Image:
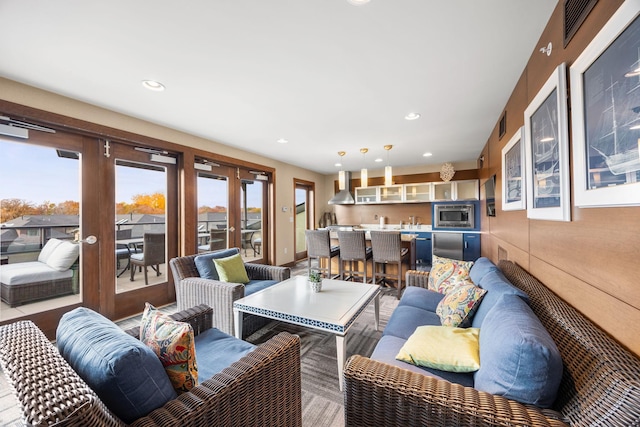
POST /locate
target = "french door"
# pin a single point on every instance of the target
(232, 210)
(303, 215)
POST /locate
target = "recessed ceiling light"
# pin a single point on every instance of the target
(153, 85)
(358, 2)
(282, 141)
(412, 116)
(338, 165)
(427, 155)
(378, 160)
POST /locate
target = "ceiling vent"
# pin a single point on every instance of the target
(575, 12)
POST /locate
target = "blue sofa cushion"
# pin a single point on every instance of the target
(405, 319)
(389, 346)
(480, 268)
(518, 358)
(126, 374)
(205, 265)
(418, 297)
(496, 285)
(257, 285)
(216, 350)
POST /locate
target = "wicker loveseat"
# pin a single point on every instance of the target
(261, 389)
(192, 289)
(600, 383)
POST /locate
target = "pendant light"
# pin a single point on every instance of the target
(364, 174)
(388, 173)
(341, 176)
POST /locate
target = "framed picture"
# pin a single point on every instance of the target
(513, 189)
(547, 151)
(605, 99)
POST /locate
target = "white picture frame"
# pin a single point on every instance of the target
(605, 99)
(514, 194)
(547, 151)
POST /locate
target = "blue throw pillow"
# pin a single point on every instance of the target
(126, 374)
(480, 268)
(496, 285)
(205, 265)
(518, 358)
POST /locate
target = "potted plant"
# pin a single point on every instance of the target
(315, 279)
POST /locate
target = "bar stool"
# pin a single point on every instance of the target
(319, 246)
(387, 249)
(353, 248)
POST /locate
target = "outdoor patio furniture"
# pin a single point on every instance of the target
(153, 254)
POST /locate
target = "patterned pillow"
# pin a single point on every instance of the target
(173, 342)
(445, 277)
(458, 307)
(435, 260)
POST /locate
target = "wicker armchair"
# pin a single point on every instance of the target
(261, 389)
(600, 382)
(192, 290)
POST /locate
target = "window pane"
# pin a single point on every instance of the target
(213, 207)
(39, 220)
(251, 218)
(140, 226)
(301, 219)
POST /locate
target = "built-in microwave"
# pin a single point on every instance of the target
(458, 216)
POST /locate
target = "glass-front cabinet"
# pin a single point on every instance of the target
(367, 195)
(467, 190)
(418, 192)
(443, 191)
(391, 194)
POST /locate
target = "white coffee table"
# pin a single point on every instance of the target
(334, 309)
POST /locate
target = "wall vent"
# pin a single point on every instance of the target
(503, 255)
(502, 127)
(575, 12)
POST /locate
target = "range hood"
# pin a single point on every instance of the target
(344, 197)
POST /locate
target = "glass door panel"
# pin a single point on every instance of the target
(140, 225)
(40, 219)
(251, 218)
(213, 210)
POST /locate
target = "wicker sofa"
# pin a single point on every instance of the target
(192, 289)
(262, 388)
(600, 382)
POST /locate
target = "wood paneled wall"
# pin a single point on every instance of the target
(591, 262)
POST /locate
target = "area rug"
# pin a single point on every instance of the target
(322, 400)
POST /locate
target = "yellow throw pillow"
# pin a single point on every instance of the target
(458, 306)
(444, 348)
(231, 269)
(174, 344)
(435, 260)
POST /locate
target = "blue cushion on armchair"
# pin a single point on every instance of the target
(205, 265)
(518, 358)
(126, 374)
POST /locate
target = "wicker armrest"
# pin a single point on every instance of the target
(417, 278)
(261, 389)
(377, 394)
(200, 318)
(220, 296)
(267, 272)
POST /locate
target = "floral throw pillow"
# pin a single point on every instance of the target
(458, 307)
(445, 277)
(173, 342)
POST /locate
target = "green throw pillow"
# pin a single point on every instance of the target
(231, 269)
(443, 347)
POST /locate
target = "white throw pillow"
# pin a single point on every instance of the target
(48, 249)
(63, 256)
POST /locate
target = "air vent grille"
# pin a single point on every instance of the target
(575, 12)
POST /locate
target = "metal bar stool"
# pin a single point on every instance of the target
(353, 248)
(387, 249)
(319, 246)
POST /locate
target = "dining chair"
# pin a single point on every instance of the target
(123, 249)
(217, 241)
(387, 249)
(353, 249)
(319, 247)
(152, 255)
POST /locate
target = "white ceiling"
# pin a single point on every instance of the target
(324, 74)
